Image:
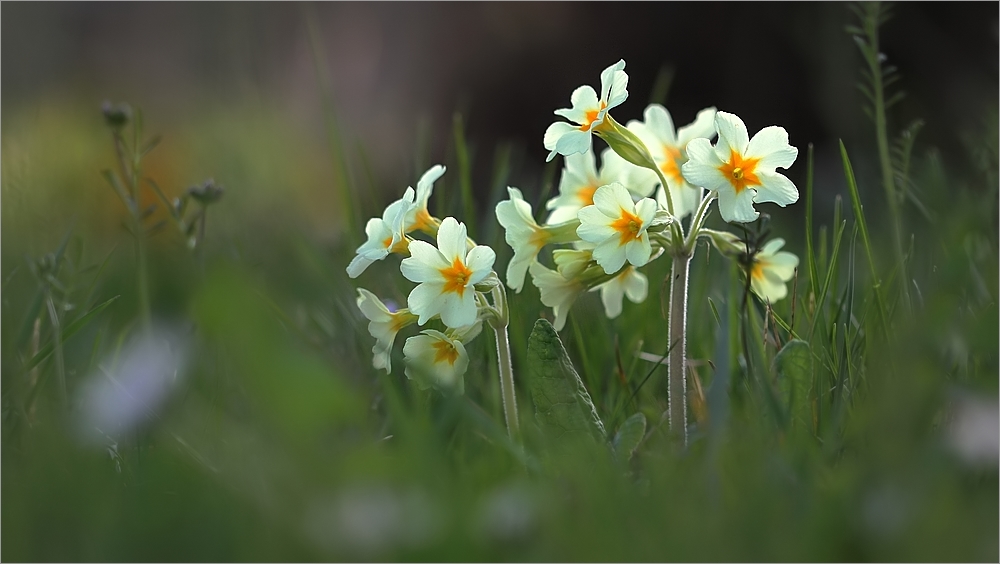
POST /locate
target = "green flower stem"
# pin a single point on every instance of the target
(697, 221)
(504, 364)
(677, 358)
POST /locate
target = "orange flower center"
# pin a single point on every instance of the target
(445, 351)
(423, 221)
(627, 226)
(591, 117)
(586, 195)
(539, 237)
(757, 270)
(740, 172)
(456, 277)
(670, 168)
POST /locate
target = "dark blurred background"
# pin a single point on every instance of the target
(400, 70)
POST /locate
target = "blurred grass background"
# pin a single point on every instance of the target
(278, 440)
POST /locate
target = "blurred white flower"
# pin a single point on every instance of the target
(556, 291)
(446, 275)
(669, 150)
(525, 236)
(974, 431)
(587, 113)
(629, 282)
(770, 271)
(116, 402)
(371, 521)
(580, 180)
(742, 170)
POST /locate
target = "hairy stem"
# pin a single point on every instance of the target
(677, 321)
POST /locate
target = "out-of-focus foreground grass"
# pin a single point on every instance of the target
(265, 434)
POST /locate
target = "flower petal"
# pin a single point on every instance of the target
(770, 145)
(735, 207)
(583, 99)
(782, 264)
(595, 226)
(553, 134)
(573, 141)
(358, 265)
(452, 239)
(610, 255)
(702, 168)
(459, 311)
(775, 187)
(426, 301)
(424, 263)
(480, 261)
(702, 126)
(733, 135)
(636, 286)
(639, 250)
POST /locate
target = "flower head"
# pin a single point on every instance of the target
(522, 233)
(446, 275)
(385, 235)
(580, 180)
(742, 170)
(669, 150)
(629, 282)
(417, 216)
(435, 359)
(587, 113)
(557, 291)
(618, 227)
(383, 325)
(771, 270)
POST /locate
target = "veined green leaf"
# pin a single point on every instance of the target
(562, 405)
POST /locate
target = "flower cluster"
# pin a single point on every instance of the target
(452, 279)
(619, 218)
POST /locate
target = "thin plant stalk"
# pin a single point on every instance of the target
(130, 174)
(677, 322)
(504, 363)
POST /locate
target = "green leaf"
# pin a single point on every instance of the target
(562, 405)
(629, 436)
(793, 365)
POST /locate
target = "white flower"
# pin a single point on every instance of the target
(742, 170)
(433, 358)
(385, 235)
(557, 292)
(618, 227)
(523, 235)
(526, 237)
(669, 150)
(383, 325)
(630, 282)
(771, 269)
(446, 275)
(417, 217)
(580, 180)
(587, 112)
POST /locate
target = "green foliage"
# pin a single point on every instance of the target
(826, 426)
(793, 365)
(563, 407)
